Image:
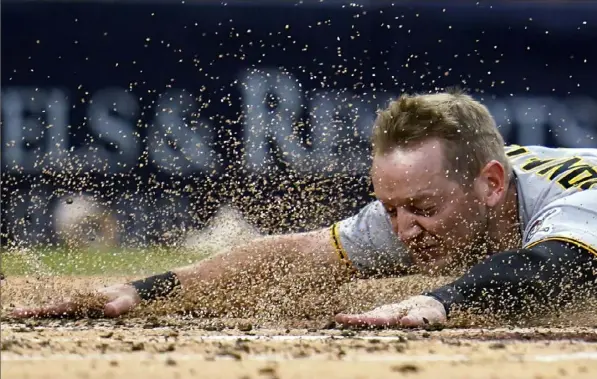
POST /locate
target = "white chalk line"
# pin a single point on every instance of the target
(456, 332)
(201, 357)
(233, 338)
(266, 338)
(12, 357)
(141, 356)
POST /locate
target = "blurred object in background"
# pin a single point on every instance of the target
(226, 229)
(264, 105)
(81, 222)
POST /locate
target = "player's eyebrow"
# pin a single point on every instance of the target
(424, 195)
(417, 197)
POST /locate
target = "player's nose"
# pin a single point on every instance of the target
(405, 226)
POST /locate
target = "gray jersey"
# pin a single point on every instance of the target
(557, 200)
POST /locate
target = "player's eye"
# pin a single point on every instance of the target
(425, 212)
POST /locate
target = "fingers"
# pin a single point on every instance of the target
(422, 317)
(107, 302)
(25, 312)
(115, 308)
(59, 310)
(364, 320)
(119, 306)
(416, 317)
(384, 316)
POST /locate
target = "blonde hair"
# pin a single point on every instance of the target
(468, 132)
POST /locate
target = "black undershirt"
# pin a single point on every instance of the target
(550, 274)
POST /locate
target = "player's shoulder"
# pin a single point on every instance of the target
(546, 175)
(558, 168)
(372, 213)
(519, 152)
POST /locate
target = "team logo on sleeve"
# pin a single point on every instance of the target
(538, 226)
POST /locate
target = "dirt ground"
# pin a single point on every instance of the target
(155, 344)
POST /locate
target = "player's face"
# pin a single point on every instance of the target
(440, 221)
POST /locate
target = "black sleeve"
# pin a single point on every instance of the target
(551, 273)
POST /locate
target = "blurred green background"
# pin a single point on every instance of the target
(96, 261)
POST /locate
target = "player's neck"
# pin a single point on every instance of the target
(504, 225)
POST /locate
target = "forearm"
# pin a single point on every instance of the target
(255, 266)
(264, 257)
(549, 274)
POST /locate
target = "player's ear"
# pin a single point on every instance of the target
(490, 185)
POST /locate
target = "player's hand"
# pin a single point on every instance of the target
(114, 301)
(413, 312)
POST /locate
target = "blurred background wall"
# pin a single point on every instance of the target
(157, 113)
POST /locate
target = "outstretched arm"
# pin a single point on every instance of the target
(549, 273)
(260, 260)
(264, 255)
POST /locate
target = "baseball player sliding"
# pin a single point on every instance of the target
(516, 223)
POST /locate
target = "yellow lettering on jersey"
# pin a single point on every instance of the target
(534, 163)
(516, 151)
(558, 167)
(578, 176)
(588, 184)
(572, 172)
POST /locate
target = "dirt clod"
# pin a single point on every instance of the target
(406, 368)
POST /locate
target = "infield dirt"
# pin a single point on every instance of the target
(155, 342)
